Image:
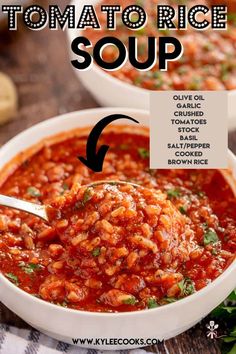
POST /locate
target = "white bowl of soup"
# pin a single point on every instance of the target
(208, 63)
(136, 273)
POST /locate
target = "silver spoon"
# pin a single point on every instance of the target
(42, 210)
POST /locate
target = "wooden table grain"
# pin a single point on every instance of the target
(38, 63)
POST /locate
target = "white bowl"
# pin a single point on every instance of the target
(64, 324)
(112, 92)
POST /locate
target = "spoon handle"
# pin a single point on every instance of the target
(35, 209)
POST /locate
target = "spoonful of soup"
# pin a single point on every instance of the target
(48, 213)
(107, 241)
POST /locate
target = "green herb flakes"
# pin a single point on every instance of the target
(30, 267)
(173, 193)
(186, 287)
(170, 300)
(112, 183)
(201, 194)
(138, 80)
(224, 71)
(87, 196)
(130, 301)
(214, 252)
(65, 187)
(157, 76)
(33, 192)
(144, 153)
(96, 252)
(183, 209)
(210, 238)
(13, 278)
(151, 303)
(195, 84)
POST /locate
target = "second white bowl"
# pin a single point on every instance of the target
(111, 92)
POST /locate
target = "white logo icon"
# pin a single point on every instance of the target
(212, 333)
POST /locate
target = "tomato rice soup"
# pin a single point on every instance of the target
(208, 62)
(115, 247)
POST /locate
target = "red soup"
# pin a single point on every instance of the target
(115, 247)
(208, 61)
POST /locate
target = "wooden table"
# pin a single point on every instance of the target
(38, 63)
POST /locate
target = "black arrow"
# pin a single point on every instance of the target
(94, 159)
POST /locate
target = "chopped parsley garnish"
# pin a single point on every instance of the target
(157, 76)
(151, 303)
(158, 84)
(87, 195)
(195, 84)
(34, 192)
(173, 193)
(183, 209)
(186, 287)
(169, 300)
(30, 267)
(201, 194)
(65, 186)
(112, 183)
(210, 238)
(138, 80)
(130, 301)
(13, 278)
(205, 226)
(214, 252)
(144, 153)
(224, 71)
(96, 252)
